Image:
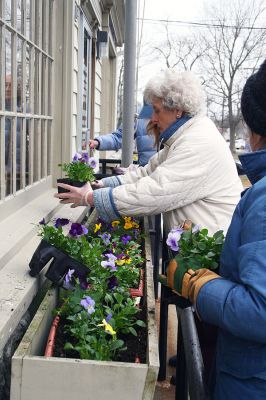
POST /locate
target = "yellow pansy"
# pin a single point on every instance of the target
(128, 225)
(97, 227)
(128, 260)
(107, 327)
(115, 223)
(127, 219)
(135, 225)
(120, 262)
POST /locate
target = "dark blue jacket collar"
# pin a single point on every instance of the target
(254, 165)
(167, 133)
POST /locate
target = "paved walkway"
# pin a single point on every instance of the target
(164, 390)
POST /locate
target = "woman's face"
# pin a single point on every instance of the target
(163, 117)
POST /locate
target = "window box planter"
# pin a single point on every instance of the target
(35, 376)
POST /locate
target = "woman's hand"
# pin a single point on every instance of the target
(93, 144)
(77, 196)
(97, 185)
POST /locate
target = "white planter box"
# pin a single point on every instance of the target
(37, 377)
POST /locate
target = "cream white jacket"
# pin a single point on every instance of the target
(193, 177)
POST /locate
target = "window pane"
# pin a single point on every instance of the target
(49, 146)
(36, 83)
(19, 15)
(49, 98)
(44, 149)
(44, 85)
(19, 75)
(28, 122)
(18, 154)
(28, 21)
(8, 81)
(7, 16)
(27, 78)
(8, 155)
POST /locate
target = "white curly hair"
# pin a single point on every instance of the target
(182, 91)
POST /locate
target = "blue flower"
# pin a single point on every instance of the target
(125, 239)
(61, 222)
(92, 162)
(88, 303)
(106, 238)
(76, 157)
(77, 230)
(109, 316)
(112, 282)
(110, 263)
(85, 157)
(173, 238)
(42, 222)
(68, 279)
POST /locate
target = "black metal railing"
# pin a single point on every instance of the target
(190, 370)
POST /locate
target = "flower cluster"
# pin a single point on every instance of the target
(81, 168)
(97, 312)
(195, 247)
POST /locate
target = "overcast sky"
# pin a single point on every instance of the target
(153, 32)
(187, 10)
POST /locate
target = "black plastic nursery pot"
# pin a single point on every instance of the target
(59, 266)
(68, 181)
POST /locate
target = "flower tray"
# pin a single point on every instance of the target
(68, 181)
(61, 263)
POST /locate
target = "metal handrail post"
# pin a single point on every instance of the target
(193, 356)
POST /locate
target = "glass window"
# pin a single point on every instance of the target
(28, 20)
(19, 75)
(8, 77)
(19, 16)
(19, 153)
(27, 71)
(7, 16)
(8, 155)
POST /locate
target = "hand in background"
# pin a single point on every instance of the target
(93, 144)
(97, 185)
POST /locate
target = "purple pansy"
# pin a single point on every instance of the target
(77, 230)
(42, 222)
(68, 279)
(109, 316)
(121, 255)
(196, 228)
(76, 157)
(125, 239)
(88, 303)
(112, 282)
(106, 238)
(173, 238)
(111, 256)
(92, 162)
(85, 157)
(110, 263)
(61, 222)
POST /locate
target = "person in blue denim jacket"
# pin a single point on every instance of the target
(235, 300)
(145, 143)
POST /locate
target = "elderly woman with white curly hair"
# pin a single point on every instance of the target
(192, 177)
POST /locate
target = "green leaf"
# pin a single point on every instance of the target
(133, 331)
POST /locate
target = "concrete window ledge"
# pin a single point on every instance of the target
(18, 238)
